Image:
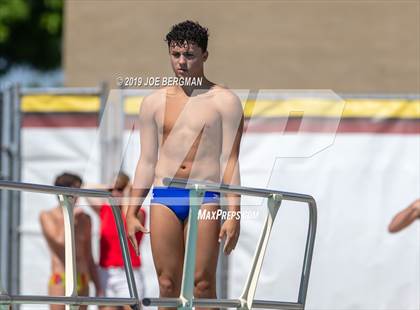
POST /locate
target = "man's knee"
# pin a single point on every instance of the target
(204, 286)
(167, 285)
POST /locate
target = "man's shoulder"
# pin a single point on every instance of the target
(152, 100)
(45, 215)
(226, 94)
(227, 99)
(50, 216)
(53, 212)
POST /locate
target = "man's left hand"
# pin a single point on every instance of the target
(230, 229)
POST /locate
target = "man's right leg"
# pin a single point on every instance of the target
(167, 241)
(56, 289)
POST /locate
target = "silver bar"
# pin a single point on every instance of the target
(212, 303)
(69, 247)
(6, 158)
(111, 132)
(162, 302)
(48, 189)
(217, 303)
(103, 96)
(86, 91)
(125, 252)
(225, 188)
(222, 273)
(266, 304)
(14, 277)
(250, 287)
(187, 284)
(309, 249)
(57, 300)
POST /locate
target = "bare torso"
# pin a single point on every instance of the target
(81, 230)
(189, 135)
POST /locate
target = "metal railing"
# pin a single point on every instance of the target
(71, 299)
(10, 166)
(186, 299)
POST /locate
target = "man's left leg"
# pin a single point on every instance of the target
(206, 257)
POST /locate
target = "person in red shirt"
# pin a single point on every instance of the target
(111, 271)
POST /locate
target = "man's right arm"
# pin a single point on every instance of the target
(145, 171)
(96, 202)
(55, 241)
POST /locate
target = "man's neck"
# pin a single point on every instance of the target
(204, 86)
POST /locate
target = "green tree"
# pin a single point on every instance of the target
(30, 33)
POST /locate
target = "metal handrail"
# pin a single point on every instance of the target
(60, 300)
(223, 303)
(186, 300)
(48, 189)
(234, 189)
(72, 300)
(246, 301)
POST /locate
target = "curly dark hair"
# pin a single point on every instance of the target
(190, 32)
(68, 180)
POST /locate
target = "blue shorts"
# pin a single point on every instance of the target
(178, 199)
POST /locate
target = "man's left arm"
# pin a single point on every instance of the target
(232, 126)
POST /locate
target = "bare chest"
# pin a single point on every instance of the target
(183, 116)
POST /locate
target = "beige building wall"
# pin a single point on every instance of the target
(346, 46)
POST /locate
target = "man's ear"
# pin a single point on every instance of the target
(205, 55)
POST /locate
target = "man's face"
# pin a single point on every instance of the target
(118, 189)
(187, 60)
(74, 199)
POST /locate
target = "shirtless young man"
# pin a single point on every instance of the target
(52, 223)
(187, 132)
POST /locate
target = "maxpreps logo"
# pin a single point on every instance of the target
(220, 214)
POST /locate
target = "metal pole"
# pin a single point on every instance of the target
(187, 285)
(225, 303)
(309, 249)
(53, 190)
(69, 250)
(5, 195)
(248, 293)
(126, 254)
(222, 273)
(240, 190)
(60, 300)
(103, 96)
(111, 130)
(15, 196)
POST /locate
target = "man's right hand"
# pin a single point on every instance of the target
(134, 226)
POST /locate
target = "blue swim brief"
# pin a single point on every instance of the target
(178, 199)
